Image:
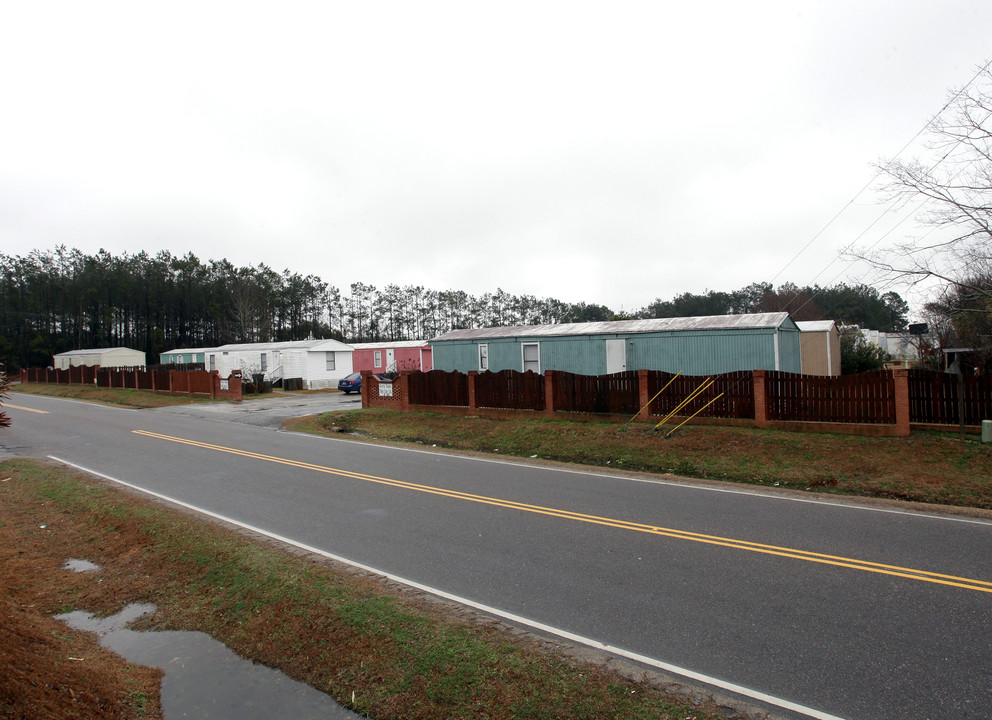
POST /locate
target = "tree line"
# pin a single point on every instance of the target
(63, 299)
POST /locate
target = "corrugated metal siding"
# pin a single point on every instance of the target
(789, 352)
(820, 351)
(702, 352)
(294, 363)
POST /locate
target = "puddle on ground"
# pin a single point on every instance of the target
(203, 678)
(80, 566)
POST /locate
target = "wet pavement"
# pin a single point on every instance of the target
(268, 410)
(205, 679)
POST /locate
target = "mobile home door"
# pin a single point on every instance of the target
(616, 356)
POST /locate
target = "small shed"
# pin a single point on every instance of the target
(118, 357)
(694, 345)
(388, 356)
(819, 344)
(316, 364)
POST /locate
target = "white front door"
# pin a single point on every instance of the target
(616, 356)
(390, 356)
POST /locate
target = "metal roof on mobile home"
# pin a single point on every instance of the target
(624, 327)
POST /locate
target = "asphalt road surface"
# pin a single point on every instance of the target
(820, 608)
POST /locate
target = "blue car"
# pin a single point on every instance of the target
(351, 382)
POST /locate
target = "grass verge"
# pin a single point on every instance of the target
(379, 650)
(927, 467)
(107, 396)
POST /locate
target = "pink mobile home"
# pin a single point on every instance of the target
(392, 356)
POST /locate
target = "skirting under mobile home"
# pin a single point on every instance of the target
(694, 345)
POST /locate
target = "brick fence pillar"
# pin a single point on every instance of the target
(759, 380)
(472, 374)
(366, 376)
(901, 378)
(402, 386)
(643, 396)
(549, 392)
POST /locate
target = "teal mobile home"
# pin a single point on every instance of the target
(695, 345)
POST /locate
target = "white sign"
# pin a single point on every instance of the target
(224, 385)
(385, 389)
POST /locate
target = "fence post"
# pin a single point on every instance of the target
(759, 380)
(549, 392)
(901, 378)
(643, 396)
(472, 374)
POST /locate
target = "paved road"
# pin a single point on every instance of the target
(267, 410)
(843, 609)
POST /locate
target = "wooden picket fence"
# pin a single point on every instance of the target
(767, 398)
(941, 398)
(172, 382)
(863, 398)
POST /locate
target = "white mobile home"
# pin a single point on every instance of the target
(104, 357)
(316, 363)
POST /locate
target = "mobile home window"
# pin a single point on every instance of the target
(532, 356)
(378, 358)
(329, 360)
(264, 361)
(483, 357)
(213, 362)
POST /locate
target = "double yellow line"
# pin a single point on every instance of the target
(825, 559)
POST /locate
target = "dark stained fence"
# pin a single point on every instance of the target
(933, 398)
(737, 400)
(200, 382)
(617, 393)
(161, 379)
(863, 398)
(510, 389)
(438, 387)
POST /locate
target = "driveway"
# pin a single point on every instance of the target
(267, 410)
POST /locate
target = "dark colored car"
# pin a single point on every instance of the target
(351, 382)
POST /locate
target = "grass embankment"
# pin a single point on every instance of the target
(926, 467)
(108, 396)
(377, 650)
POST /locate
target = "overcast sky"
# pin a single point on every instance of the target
(602, 152)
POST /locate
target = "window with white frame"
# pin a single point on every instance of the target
(265, 361)
(531, 353)
(483, 357)
(377, 359)
(329, 360)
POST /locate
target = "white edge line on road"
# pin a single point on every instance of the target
(672, 483)
(511, 617)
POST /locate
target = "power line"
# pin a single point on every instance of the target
(881, 170)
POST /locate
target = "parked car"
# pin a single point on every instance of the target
(351, 382)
